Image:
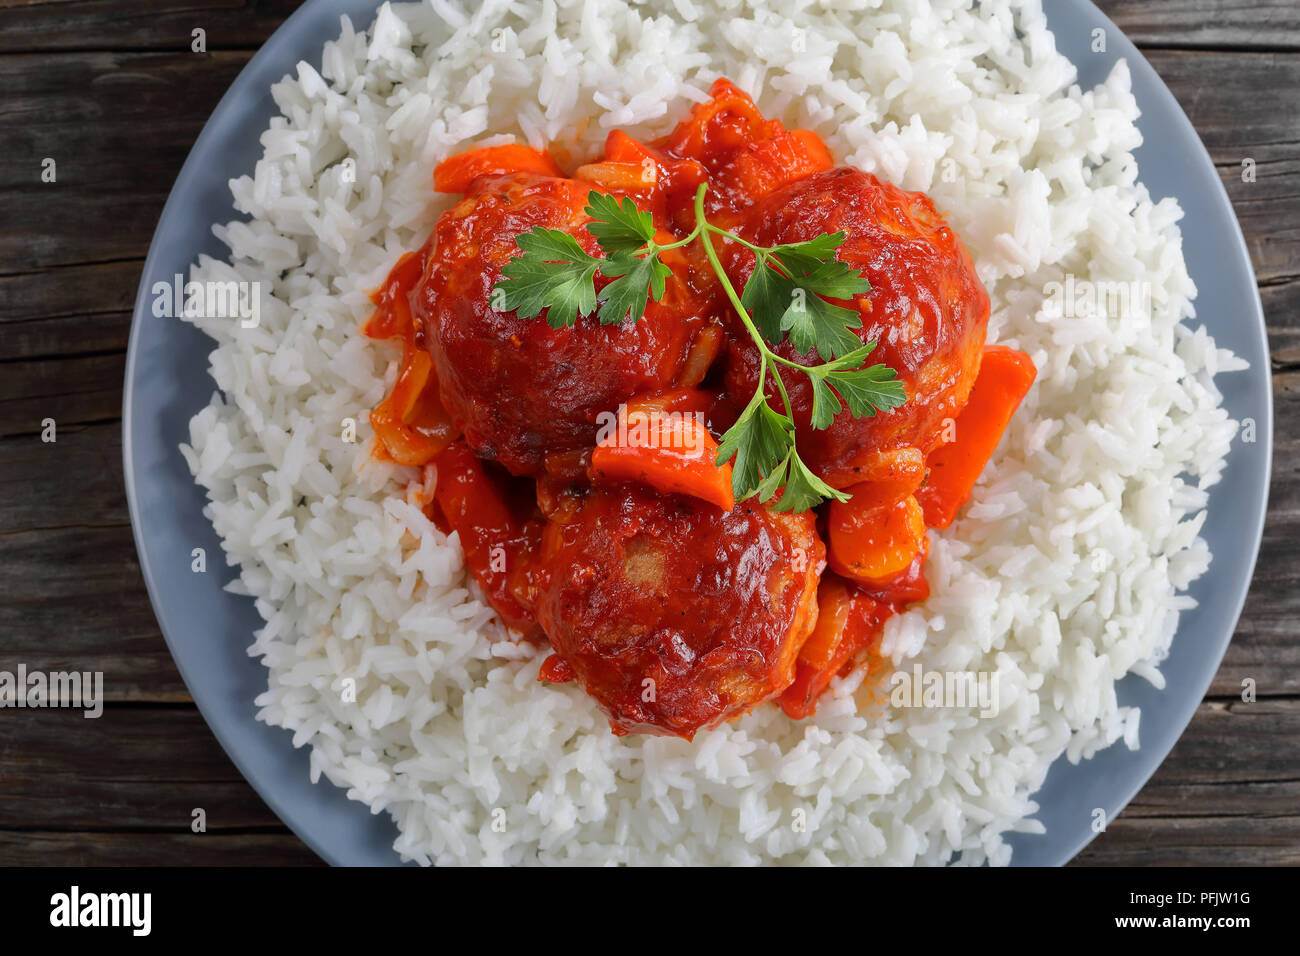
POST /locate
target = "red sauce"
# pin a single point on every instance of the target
(715, 609)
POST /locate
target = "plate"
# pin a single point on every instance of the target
(209, 629)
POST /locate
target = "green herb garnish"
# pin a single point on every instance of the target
(786, 297)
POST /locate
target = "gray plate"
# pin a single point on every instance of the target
(208, 629)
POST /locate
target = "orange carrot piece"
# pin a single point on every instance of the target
(848, 621)
(765, 166)
(725, 123)
(679, 400)
(392, 315)
(833, 602)
(904, 465)
(622, 148)
(619, 177)
(671, 452)
(870, 542)
(455, 173)
(1004, 379)
(411, 423)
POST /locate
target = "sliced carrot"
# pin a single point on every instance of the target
(764, 166)
(848, 622)
(873, 542)
(622, 148)
(411, 423)
(392, 315)
(1004, 379)
(902, 465)
(896, 478)
(679, 400)
(908, 587)
(455, 173)
(716, 129)
(620, 177)
(833, 603)
(670, 452)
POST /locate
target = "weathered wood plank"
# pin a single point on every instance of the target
(1244, 108)
(1196, 841)
(74, 481)
(1227, 793)
(1264, 647)
(146, 24)
(168, 24)
(130, 769)
(118, 127)
(74, 310)
(1281, 300)
(72, 391)
(1235, 24)
(89, 848)
(71, 598)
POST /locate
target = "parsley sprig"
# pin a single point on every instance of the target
(557, 275)
(786, 298)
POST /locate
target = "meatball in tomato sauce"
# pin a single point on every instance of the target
(673, 614)
(927, 312)
(517, 388)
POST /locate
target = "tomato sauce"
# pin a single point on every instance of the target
(719, 609)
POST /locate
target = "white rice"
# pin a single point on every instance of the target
(1062, 576)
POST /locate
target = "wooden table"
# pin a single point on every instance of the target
(112, 92)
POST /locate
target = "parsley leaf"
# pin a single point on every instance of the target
(619, 227)
(807, 256)
(789, 300)
(826, 404)
(804, 490)
(637, 278)
(869, 390)
(554, 273)
(760, 440)
(766, 295)
(814, 266)
(817, 325)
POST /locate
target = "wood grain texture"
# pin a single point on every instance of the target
(168, 25)
(113, 93)
(118, 127)
(128, 848)
(142, 25)
(1221, 24)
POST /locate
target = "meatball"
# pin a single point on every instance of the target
(926, 310)
(515, 387)
(673, 614)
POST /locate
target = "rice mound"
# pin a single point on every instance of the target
(1063, 575)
